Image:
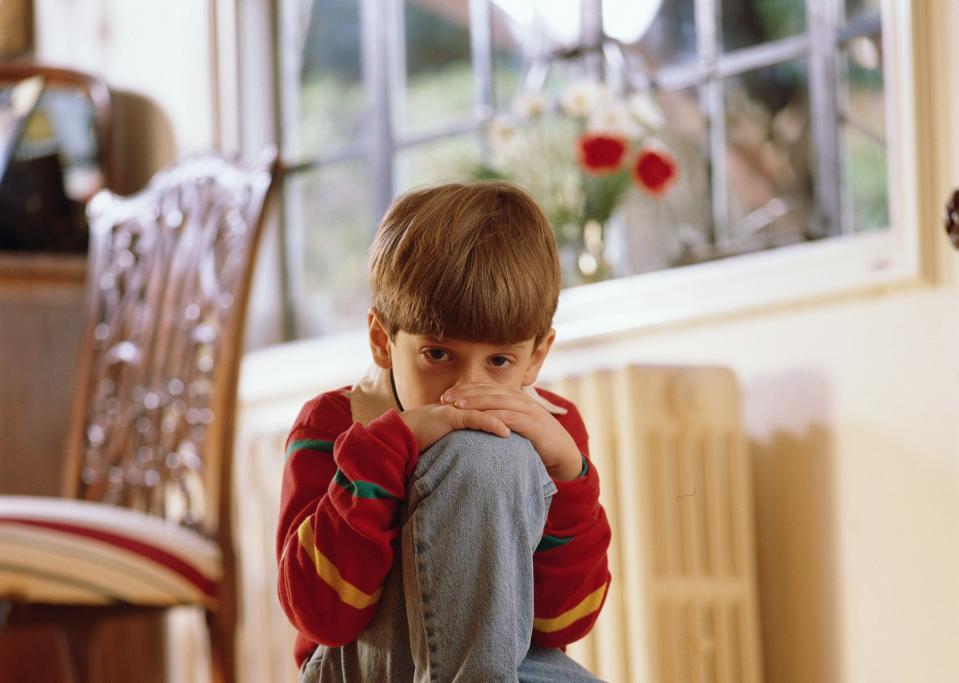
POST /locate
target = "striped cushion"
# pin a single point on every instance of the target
(54, 550)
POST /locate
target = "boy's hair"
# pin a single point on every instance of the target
(476, 262)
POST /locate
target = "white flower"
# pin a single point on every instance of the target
(614, 119)
(582, 97)
(501, 134)
(690, 237)
(656, 145)
(530, 105)
(646, 110)
(865, 52)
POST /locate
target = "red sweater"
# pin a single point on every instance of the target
(338, 531)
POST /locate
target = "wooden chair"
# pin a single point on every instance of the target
(145, 522)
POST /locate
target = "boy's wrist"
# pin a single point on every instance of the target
(570, 469)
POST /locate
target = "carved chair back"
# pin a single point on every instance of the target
(168, 278)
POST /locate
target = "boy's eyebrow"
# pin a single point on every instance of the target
(517, 345)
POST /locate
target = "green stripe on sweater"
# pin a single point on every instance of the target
(550, 542)
(361, 489)
(309, 445)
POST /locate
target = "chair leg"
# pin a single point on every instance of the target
(38, 654)
(221, 625)
(82, 640)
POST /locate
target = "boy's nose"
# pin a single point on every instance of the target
(471, 375)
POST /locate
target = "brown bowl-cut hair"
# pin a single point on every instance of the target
(476, 262)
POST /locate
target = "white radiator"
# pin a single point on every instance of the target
(675, 483)
(669, 447)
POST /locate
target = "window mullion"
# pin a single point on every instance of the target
(683, 76)
(440, 133)
(822, 20)
(481, 53)
(379, 30)
(591, 37)
(292, 239)
(762, 56)
(711, 94)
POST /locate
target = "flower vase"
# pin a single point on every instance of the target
(592, 264)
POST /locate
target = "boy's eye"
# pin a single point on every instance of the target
(500, 361)
(436, 354)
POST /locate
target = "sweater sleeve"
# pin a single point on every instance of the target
(571, 576)
(338, 517)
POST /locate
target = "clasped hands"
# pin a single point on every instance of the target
(498, 410)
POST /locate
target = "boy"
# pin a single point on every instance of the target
(440, 520)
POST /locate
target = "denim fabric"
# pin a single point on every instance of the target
(457, 604)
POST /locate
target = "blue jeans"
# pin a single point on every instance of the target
(458, 605)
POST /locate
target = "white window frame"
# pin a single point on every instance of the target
(833, 267)
(806, 272)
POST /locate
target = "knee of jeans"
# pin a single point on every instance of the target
(493, 458)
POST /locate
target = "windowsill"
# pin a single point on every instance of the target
(801, 273)
(794, 276)
(301, 369)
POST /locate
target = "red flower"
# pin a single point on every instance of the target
(601, 154)
(654, 171)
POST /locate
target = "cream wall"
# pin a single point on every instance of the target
(853, 412)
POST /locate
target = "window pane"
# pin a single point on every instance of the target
(323, 97)
(329, 209)
(750, 22)
(864, 175)
(448, 160)
(861, 89)
(674, 229)
(666, 38)
(858, 9)
(438, 77)
(864, 132)
(528, 34)
(768, 142)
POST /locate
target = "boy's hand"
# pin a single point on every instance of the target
(522, 414)
(432, 422)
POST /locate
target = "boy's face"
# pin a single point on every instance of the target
(424, 368)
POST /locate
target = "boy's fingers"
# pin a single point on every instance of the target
(516, 421)
(463, 391)
(476, 387)
(486, 391)
(475, 419)
(489, 401)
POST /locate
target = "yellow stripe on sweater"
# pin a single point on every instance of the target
(327, 571)
(589, 605)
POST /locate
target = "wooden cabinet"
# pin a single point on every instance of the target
(41, 315)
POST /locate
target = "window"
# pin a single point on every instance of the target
(776, 113)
